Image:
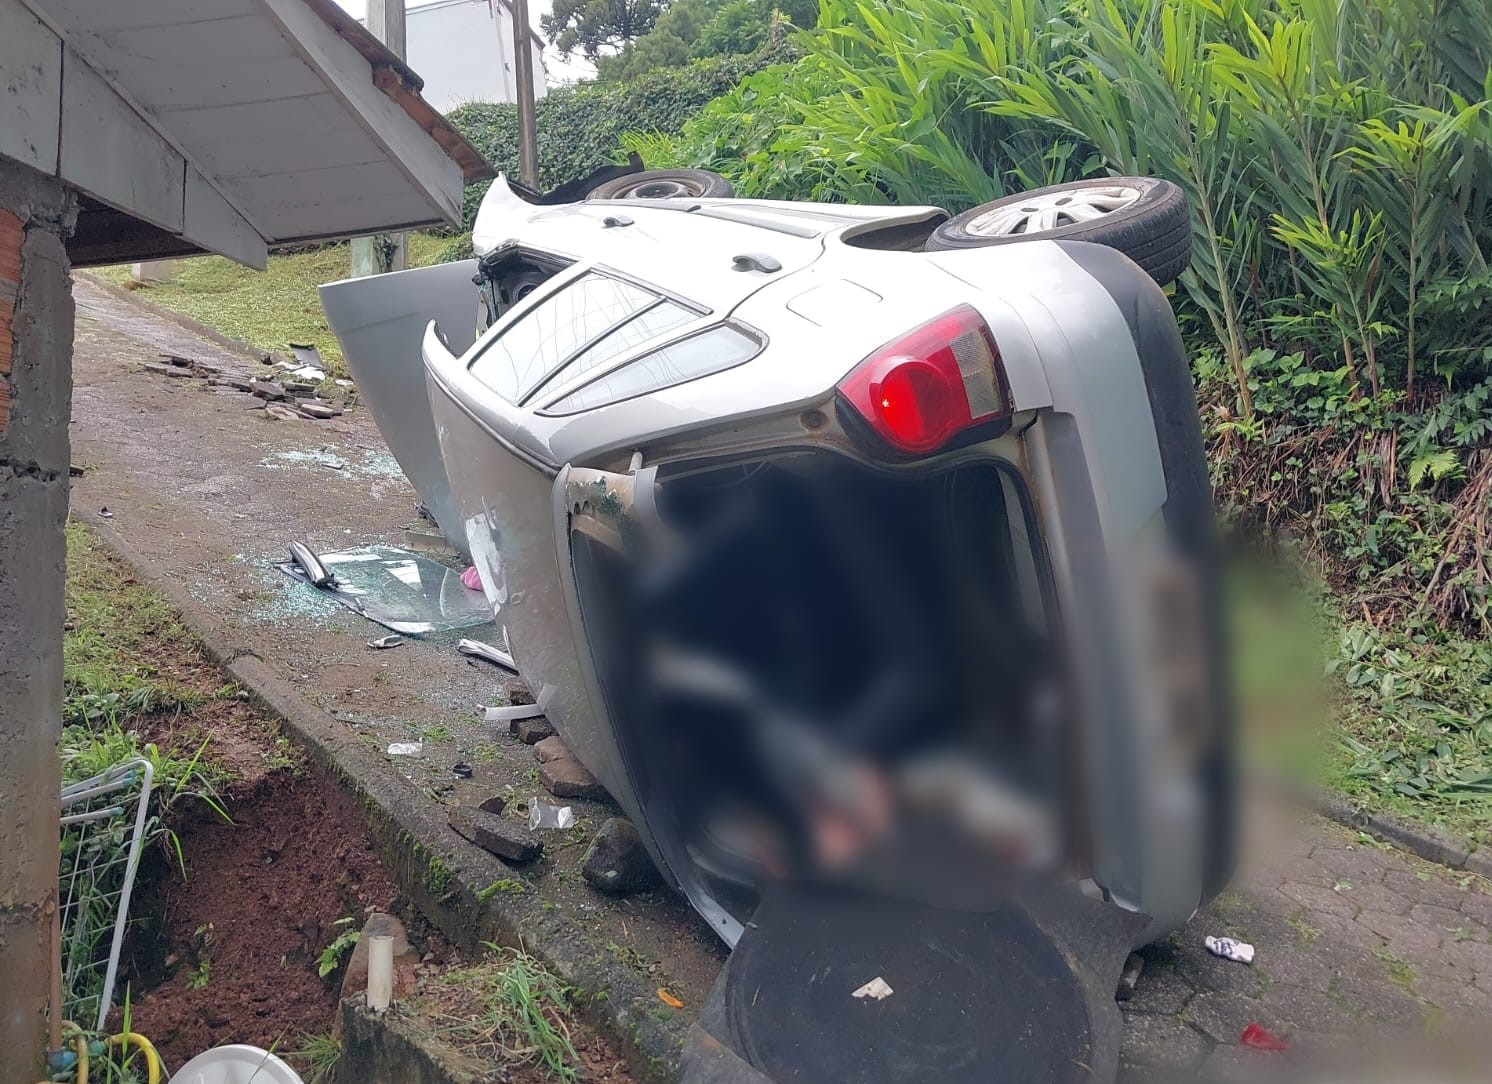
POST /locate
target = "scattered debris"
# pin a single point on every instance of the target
(178, 361)
(533, 730)
(1238, 951)
(568, 778)
(551, 748)
(471, 579)
(543, 815)
(104, 513)
(876, 989)
(1129, 978)
(316, 573)
(235, 382)
(617, 863)
(427, 539)
(383, 643)
(307, 357)
(299, 388)
(405, 748)
(1257, 1038)
(461, 770)
(317, 408)
(478, 650)
(267, 389)
(282, 413)
(75, 470)
(669, 999)
(508, 713)
(505, 838)
(494, 805)
(165, 370)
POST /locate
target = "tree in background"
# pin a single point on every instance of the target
(694, 29)
(595, 28)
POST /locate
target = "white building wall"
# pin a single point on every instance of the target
(463, 50)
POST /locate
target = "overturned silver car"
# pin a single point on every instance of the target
(850, 545)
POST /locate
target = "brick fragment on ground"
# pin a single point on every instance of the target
(266, 389)
(509, 840)
(568, 778)
(533, 730)
(316, 408)
(551, 748)
(165, 370)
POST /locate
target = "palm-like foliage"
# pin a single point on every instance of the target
(1336, 154)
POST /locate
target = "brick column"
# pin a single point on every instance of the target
(36, 338)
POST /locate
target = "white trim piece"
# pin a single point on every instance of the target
(349, 76)
(111, 153)
(217, 225)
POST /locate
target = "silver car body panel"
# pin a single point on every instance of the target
(380, 322)
(1084, 440)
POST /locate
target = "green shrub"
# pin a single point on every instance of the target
(580, 127)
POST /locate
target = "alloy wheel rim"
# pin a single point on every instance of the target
(1041, 212)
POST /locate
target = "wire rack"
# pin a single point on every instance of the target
(104, 824)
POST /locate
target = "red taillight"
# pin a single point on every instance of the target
(925, 388)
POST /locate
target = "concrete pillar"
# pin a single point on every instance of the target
(154, 270)
(385, 251)
(36, 340)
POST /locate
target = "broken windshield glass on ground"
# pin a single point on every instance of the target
(407, 593)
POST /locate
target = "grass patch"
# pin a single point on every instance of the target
(1414, 726)
(1399, 971)
(508, 1008)
(114, 626)
(271, 308)
(317, 1058)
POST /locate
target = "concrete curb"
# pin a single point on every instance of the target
(1431, 844)
(237, 346)
(441, 872)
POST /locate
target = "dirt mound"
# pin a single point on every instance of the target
(228, 953)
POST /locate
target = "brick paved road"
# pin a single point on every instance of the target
(1364, 952)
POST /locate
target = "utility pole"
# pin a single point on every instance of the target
(385, 251)
(523, 71)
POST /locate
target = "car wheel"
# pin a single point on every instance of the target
(664, 184)
(1145, 218)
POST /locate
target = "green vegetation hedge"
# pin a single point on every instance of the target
(580, 127)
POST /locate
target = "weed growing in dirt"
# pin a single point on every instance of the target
(317, 1058)
(508, 1007)
(331, 957)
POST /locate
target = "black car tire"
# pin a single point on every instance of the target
(665, 184)
(1153, 229)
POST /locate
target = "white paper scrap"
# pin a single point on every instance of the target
(1238, 951)
(876, 988)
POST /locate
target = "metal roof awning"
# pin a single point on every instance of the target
(224, 125)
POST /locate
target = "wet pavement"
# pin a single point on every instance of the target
(1362, 950)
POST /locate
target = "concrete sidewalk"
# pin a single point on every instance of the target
(1356, 941)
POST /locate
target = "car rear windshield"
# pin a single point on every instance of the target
(709, 352)
(527, 352)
